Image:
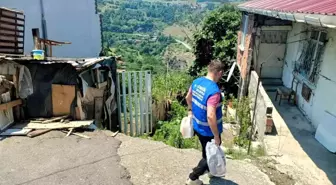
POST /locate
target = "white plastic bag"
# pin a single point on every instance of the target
(216, 159)
(186, 127)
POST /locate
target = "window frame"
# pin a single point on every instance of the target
(306, 75)
(317, 43)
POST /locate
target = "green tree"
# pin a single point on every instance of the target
(217, 39)
(218, 36)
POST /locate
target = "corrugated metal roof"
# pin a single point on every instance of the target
(323, 7)
(78, 63)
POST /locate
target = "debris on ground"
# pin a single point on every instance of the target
(15, 132)
(55, 119)
(76, 134)
(115, 134)
(38, 132)
(39, 126)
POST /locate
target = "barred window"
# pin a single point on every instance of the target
(311, 57)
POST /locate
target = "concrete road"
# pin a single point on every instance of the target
(154, 163)
(53, 159)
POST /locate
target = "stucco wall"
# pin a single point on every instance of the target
(73, 21)
(272, 56)
(263, 102)
(322, 98)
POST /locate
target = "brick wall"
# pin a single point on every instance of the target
(243, 55)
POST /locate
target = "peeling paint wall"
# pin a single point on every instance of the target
(74, 21)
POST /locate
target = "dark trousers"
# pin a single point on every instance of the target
(202, 166)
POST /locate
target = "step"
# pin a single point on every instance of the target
(271, 88)
(272, 81)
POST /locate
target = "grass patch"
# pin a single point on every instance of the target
(241, 153)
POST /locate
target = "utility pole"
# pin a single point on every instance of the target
(44, 26)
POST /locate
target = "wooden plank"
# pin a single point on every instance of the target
(16, 109)
(12, 16)
(58, 125)
(81, 135)
(70, 131)
(10, 39)
(115, 134)
(11, 51)
(7, 44)
(101, 85)
(77, 134)
(15, 132)
(6, 106)
(38, 132)
(62, 98)
(6, 28)
(79, 109)
(11, 33)
(9, 11)
(54, 119)
(98, 108)
(6, 114)
(9, 22)
(36, 37)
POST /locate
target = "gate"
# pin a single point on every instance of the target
(134, 91)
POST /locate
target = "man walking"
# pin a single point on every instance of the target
(205, 104)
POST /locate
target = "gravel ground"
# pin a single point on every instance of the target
(54, 159)
(154, 163)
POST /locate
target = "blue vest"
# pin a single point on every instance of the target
(202, 88)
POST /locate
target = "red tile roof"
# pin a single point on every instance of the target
(325, 7)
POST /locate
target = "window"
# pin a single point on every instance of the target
(311, 56)
(244, 31)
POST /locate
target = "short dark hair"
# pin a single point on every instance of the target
(216, 66)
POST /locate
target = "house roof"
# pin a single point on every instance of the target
(323, 7)
(316, 12)
(78, 63)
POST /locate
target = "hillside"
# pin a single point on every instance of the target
(141, 31)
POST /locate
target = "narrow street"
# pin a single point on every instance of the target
(55, 159)
(154, 163)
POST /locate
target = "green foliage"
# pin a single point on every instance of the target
(169, 131)
(134, 29)
(217, 39)
(243, 114)
(167, 86)
(218, 36)
(234, 101)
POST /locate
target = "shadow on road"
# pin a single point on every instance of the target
(220, 181)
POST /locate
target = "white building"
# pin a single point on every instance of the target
(75, 21)
(292, 46)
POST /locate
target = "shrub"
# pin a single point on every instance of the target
(169, 131)
(244, 118)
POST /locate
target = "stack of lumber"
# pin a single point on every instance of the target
(41, 126)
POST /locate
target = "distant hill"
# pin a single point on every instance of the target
(141, 30)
